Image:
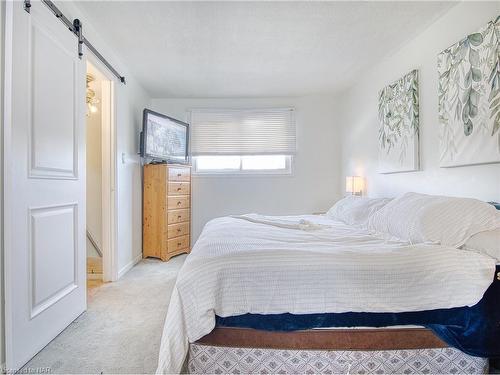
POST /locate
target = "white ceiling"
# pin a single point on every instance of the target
(259, 49)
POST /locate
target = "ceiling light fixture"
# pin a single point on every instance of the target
(90, 97)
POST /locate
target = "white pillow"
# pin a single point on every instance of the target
(355, 210)
(428, 218)
(487, 242)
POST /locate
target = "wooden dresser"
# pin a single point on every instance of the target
(167, 210)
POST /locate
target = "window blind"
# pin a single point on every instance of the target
(243, 132)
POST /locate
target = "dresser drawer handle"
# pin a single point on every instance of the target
(179, 229)
(179, 203)
(179, 216)
(179, 188)
(179, 174)
(179, 243)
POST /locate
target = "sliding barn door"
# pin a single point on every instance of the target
(44, 182)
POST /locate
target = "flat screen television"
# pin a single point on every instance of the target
(164, 139)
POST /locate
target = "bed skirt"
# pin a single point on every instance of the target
(210, 359)
(395, 350)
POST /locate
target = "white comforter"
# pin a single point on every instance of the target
(239, 266)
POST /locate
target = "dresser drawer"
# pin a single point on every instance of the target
(176, 230)
(177, 202)
(178, 188)
(179, 174)
(177, 216)
(178, 243)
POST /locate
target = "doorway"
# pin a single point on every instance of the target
(100, 172)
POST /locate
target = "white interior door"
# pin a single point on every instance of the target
(45, 281)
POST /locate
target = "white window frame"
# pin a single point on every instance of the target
(287, 171)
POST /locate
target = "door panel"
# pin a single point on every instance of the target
(49, 253)
(51, 63)
(45, 284)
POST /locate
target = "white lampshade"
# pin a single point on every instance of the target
(354, 185)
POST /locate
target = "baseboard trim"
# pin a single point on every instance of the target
(129, 266)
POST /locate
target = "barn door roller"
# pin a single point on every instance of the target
(76, 27)
(27, 5)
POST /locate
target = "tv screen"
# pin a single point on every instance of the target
(164, 138)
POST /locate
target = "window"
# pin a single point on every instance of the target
(251, 164)
(250, 141)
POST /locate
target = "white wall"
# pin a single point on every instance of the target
(130, 100)
(358, 115)
(313, 185)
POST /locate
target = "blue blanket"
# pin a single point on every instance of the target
(474, 330)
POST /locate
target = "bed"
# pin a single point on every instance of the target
(313, 278)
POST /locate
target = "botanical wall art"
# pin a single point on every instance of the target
(399, 122)
(469, 99)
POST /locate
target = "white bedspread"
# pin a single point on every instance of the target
(280, 222)
(239, 267)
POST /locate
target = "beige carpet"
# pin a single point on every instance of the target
(121, 330)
